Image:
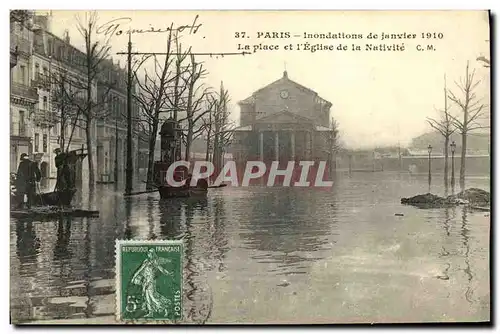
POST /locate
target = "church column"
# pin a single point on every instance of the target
(311, 137)
(261, 146)
(308, 145)
(292, 140)
(276, 146)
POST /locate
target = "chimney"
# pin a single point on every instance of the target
(285, 74)
(66, 37)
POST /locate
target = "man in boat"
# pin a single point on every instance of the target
(188, 181)
(59, 161)
(198, 183)
(28, 174)
(64, 179)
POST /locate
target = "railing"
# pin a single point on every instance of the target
(23, 90)
(19, 129)
(23, 45)
(14, 54)
(41, 81)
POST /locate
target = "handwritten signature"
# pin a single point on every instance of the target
(112, 28)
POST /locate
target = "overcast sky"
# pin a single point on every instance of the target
(379, 98)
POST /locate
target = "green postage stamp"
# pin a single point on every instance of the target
(149, 280)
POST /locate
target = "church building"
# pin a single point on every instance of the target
(283, 121)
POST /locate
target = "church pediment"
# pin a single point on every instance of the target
(282, 83)
(284, 117)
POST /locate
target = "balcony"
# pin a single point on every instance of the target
(19, 129)
(14, 54)
(23, 45)
(45, 118)
(41, 81)
(24, 91)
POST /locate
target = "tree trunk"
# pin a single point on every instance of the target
(215, 154)
(89, 115)
(446, 143)
(116, 152)
(151, 157)
(462, 160)
(207, 152)
(189, 140)
(209, 134)
(464, 143)
(90, 155)
(63, 128)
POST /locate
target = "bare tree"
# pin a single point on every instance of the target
(90, 106)
(207, 126)
(333, 143)
(152, 98)
(221, 128)
(64, 96)
(444, 125)
(471, 109)
(197, 104)
(177, 92)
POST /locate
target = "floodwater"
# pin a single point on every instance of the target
(269, 255)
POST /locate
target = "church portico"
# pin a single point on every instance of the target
(284, 145)
(281, 122)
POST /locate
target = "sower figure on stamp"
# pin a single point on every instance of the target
(145, 276)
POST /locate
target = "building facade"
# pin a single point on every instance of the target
(58, 67)
(23, 96)
(47, 76)
(283, 121)
(112, 129)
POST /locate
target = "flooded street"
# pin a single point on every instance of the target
(269, 255)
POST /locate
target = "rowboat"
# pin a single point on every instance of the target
(62, 198)
(200, 190)
(63, 195)
(175, 192)
(52, 212)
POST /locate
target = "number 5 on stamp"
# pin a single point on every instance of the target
(149, 280)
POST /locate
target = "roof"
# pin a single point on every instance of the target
(322, 128)
(285, 113)
(244, 128)
(283, 79)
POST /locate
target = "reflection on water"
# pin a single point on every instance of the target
(258, 255)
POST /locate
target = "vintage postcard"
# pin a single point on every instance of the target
(249, 167)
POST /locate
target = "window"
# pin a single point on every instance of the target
(45, 103)
(37, 71)
(22, 74)
(37, 139)
(21, 123)
(44, 143)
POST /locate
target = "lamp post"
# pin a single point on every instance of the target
(129, 169)
(429, 149)
(453, 146)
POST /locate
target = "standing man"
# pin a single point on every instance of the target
(28, 174)
(59, 161)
